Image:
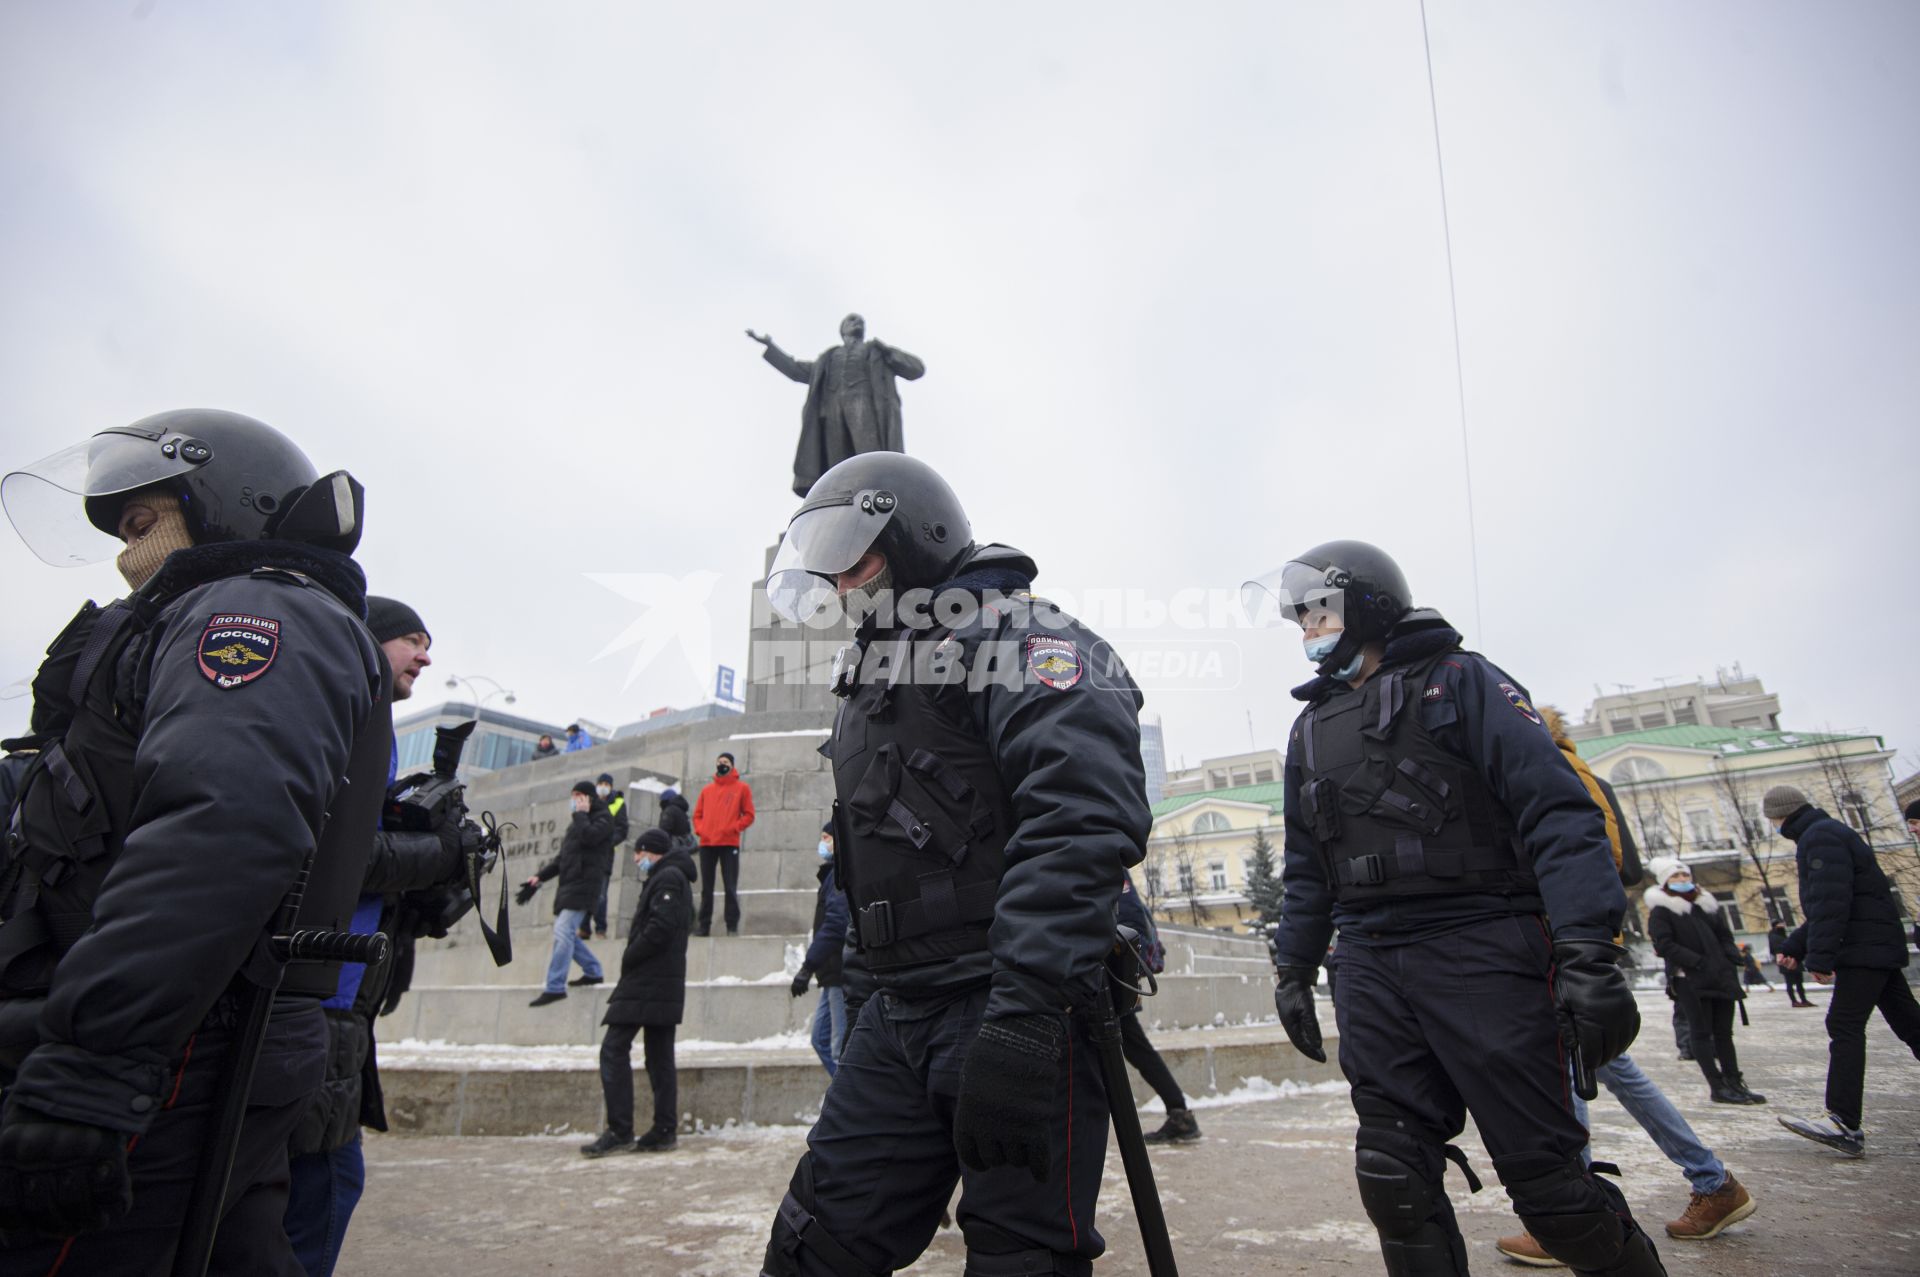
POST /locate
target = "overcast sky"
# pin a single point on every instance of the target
(1178, 278)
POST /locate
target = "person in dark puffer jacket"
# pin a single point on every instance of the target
(1689, 930)
(1851, 940)
(649, 1000)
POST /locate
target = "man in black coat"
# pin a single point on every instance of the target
(1851, 940)
(582, 853)
(1792, 973)
(617, 812)
(201, 741)
(649, 1000)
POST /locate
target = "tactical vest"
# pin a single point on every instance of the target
(921, 820)
(76, 804)
(1396, 814)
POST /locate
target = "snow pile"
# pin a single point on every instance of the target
(412, 1053)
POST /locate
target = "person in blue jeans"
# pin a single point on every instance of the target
(1718, 1198)
(587, 845)
(824, 961)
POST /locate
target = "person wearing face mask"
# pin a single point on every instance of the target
(582, 851)
(1850, 941)
(1690, 933)
(200, 743)
(1431, 818)
(649, 1000)
(824, 959)
(616, 805)
(988, 796)
(720, 815)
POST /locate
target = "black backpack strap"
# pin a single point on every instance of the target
(111, 623)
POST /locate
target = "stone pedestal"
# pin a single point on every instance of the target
(789, 666)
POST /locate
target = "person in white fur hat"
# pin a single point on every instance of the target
(1690, 931)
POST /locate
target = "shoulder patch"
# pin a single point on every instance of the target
(1054, 661)
(1519, 702)
(236, 649)
(1433, 693)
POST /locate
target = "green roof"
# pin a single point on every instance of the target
(1712, 739)
(1268, 794)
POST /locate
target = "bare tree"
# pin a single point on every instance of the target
(1856, 799)
(1186, 882)
(1751, 839)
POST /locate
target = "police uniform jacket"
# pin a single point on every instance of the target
(1476, 715)
(248, 693)
(1024, 755)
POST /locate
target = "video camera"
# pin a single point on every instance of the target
(428, 802)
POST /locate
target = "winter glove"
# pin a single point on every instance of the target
(1005, 1112)
(800, 983)
(59, 1177)
(525, 892)
(1593, 1001)
(1293, 999)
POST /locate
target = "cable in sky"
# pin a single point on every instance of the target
(1453, 304)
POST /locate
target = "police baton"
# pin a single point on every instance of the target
(1105, 1032)
(201, 1223)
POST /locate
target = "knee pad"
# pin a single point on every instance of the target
(1400, 1187)
(1580, 1219)
(795, 1227)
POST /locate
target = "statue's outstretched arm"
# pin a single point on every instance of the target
(796, 369)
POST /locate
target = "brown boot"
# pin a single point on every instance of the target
(1708, 1213)
(1525, 1250)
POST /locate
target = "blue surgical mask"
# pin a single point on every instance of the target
(826, 850)
(1352, 667)
(1319, 649)
(1680, 888)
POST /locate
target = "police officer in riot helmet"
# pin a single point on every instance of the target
(1432, 820)
(990, 793)
(198, 743)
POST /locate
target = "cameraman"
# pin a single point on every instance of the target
(328, 1171)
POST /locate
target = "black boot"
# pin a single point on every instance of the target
(609, 1142)
(1179, 1128)
(1738, 1083)
(657, 1140)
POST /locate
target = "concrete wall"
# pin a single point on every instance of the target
(778, 1088)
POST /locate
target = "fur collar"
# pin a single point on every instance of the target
(1661, 898)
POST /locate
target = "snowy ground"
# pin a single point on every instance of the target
(1269, 1190)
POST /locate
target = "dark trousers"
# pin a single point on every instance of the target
(616, 1075)
(1710, 1030)
(166, 1160)
(1857, 993)
(1464, 1023)
(882, 1160)
(598, 914)
(1147, 1063)
(727, 860)
(1682, 1035)
(1796, 984)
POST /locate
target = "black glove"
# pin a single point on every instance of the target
(1593, 1001)
(1005, 1113)
(1293, 999)
(59, 1177)
(800, 982)
(526, 892)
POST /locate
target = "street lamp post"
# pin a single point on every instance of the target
(479, 701)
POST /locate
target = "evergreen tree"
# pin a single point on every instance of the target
(1263, 879)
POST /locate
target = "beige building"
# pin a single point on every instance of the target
(1694, 792)
(1230, 772)
(1201, 852)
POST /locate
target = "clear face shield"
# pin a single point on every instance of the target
(826, 538)
(47, 501)
(1298, 594)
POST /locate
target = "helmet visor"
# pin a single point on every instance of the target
(1292, 592)
(47, 501)
(826, 538)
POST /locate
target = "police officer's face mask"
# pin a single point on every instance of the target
(154, 527)
(826, 850)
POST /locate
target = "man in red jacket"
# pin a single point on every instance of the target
(720, 815)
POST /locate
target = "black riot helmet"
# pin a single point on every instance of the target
(238, 480)
(1357, 582)
(882, 501)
